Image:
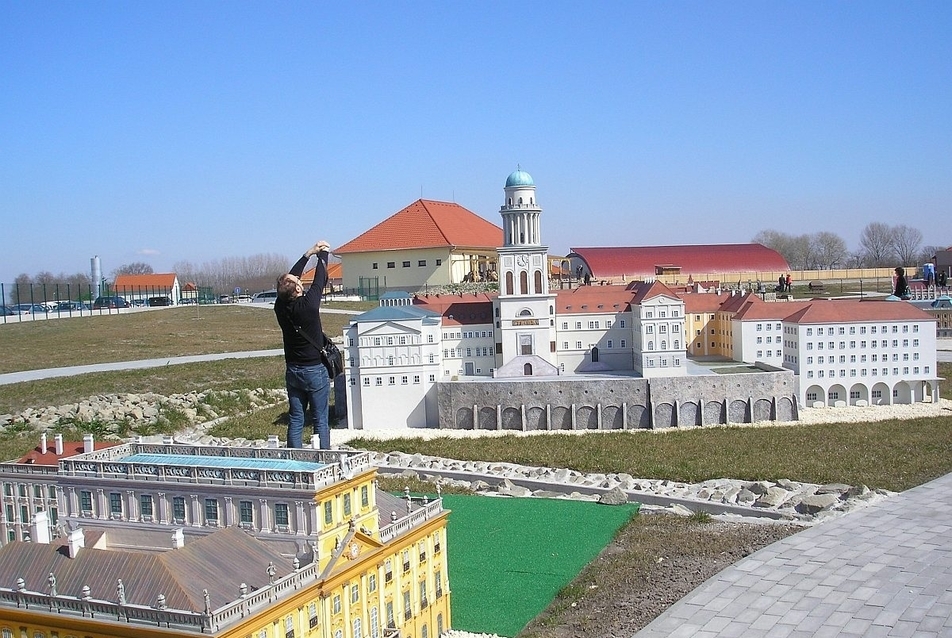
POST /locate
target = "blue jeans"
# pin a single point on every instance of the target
(308, 385)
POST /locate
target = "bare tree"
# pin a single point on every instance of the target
(134, 268)
(876, 244)
(829, 250)
(800, 253)
(906, 243)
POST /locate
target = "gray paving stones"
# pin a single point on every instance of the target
(882, 571)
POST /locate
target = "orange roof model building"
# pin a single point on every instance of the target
(426, 224)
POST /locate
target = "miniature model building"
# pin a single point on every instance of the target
(177, 540)
(620, 356)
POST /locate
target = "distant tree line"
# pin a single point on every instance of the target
(880, 246)
(252, 274)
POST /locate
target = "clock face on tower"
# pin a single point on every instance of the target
(522, 260)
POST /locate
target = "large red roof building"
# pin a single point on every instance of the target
(640, 262)
(428, 243)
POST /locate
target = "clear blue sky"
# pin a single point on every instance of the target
(167, 131)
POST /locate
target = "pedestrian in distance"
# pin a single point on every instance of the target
(901, 289)
(298, 315)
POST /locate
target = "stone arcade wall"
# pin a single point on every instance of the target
(616, 403)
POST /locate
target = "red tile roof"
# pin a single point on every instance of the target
(465, 309)
(427, 224)
(641, 261)
(856, 311)
(36, 456)
(649, 290)
(164, 280)
(593, 299)
(335, 271)
(698, 302)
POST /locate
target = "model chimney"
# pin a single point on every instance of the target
(76, 541)
(178, 538)
(43, 443)
(88, 445)
(58, 443)
(40, 528)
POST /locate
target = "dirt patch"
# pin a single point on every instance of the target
(654, 561)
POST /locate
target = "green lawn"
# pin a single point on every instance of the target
(511, 556)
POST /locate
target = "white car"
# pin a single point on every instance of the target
(268, 296)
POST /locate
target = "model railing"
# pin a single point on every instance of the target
(401, 525)
(109, 463)
(199, 622)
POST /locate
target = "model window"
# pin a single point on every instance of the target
(373, 266)
(391, 264)
(421, 263)
(364, 496)
(246, 514)
(354, 593)
(145, 504)
(346, 504)
(439, 262)
(328, 512)
(178, 508)
(86, 501)
(211, 510)
(406, 264)
(115, 504)
(281, 517)
(336, 604)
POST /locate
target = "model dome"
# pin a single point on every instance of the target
(519, 178)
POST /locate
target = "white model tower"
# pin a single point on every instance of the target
(526, 310)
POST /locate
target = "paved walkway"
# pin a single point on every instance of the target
(33, 375)
(882, 571)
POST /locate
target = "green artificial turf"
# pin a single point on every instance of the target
(509, 557)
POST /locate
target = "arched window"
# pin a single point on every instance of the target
(525, 312)
(523, 283)
(510, 202)
(595, 354)
(520, 201)
(538, 282)
(509, 282)
(677, 344)
(651, 345)
(527, 369)
(664, 345)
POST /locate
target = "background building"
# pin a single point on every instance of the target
(427, 244)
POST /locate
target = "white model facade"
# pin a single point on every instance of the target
(396, 356)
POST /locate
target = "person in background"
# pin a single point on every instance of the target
(902, 288)
(788, 282)
(298, 314)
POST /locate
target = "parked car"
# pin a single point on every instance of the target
(30, 309)
(268, 296)
(7, 311)
(159, 301)
(103, 303)
(70, 306)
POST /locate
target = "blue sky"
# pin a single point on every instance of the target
(168, 131)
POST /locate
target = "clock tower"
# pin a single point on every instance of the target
(525, 310)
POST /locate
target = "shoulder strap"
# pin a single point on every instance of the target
(297, 329)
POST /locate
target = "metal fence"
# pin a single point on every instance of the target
(28, 302)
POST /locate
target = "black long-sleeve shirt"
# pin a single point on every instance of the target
(304, 313)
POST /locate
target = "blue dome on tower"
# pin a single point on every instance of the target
(519, 178)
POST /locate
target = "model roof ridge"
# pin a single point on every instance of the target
(426, 223)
